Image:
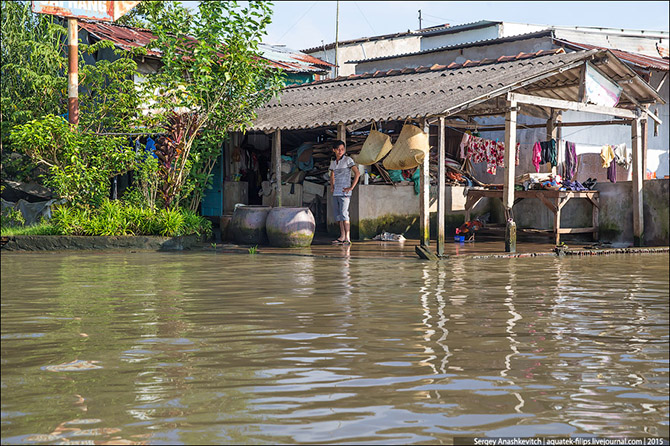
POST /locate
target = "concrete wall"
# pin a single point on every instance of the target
(616, 212)
(457, 55)
(468, 35)
(375, 208)
(366, 50)
(642, 44)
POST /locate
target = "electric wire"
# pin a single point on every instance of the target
(364, 17)
(297, 21)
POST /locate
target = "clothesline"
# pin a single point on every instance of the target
(530, 144)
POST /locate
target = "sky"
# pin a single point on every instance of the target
(306, 24)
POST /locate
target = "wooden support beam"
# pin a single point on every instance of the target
(559, 124)
(571, 105)
(552, 132)
(424, 207)
(441, 190)
(575, 231)
(276, 162)
(595, 220)
(638, 216)
(342, 133)
(501, 91)
(508, 185)
(645, 137)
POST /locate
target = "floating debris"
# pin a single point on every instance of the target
(74, 366)
(98, 431)
(41, 438)
(83, 421)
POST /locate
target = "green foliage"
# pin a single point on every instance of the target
(43, 228)
(11, 218)
(116, 218)
(213, 68)
(146, 182)
(253, 250)
(33, 67)
(109, 100)
(80, 164)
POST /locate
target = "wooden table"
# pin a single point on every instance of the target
(552, 199)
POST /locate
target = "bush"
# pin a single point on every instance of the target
(115, 218)
(80, 164)
(43, 228)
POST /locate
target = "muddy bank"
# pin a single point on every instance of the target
(67, 242)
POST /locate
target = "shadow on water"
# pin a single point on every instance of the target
(205, 348)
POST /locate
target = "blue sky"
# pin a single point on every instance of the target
(305, 24)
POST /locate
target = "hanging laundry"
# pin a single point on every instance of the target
(611, 172)
(537, 156)
(548, 153)
(606, 155)
(570, 160)
(622, 156)
(487, 151)
(464, 143)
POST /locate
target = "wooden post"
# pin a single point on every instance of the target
(560, 144)
(508, 185)
(643, 130)
(424, 207)
(552, 133)
(73, 71)
(342, 133)
(441, 190)
(638, 216)
(276, 157)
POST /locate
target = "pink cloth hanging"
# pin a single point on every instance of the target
(537, 156)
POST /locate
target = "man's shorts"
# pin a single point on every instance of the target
(341, 208)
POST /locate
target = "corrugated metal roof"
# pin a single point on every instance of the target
(291, 60)
(436, 31)
(127, 37)
(639, 60)
(475, 43)
(437, 90)
(431, 31)
(124, 37)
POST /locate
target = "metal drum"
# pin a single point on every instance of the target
(290, 227)
(247, 227)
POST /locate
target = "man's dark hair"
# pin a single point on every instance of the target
(338, 143)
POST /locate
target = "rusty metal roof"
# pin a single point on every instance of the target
(124, 37)
(639, 60)
(128, 37)
(474, 86)
(291, 60)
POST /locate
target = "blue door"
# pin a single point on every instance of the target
(212, 201)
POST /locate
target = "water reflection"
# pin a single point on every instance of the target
(198, 348)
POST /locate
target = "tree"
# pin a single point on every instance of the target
(213, 76)
(33, 66)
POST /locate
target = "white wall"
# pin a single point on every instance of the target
(457, 55)
(633, 44)
(465, 36)
(508, 29)
(366, 50)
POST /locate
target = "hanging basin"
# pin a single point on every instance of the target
(247, 226)
(290, 227)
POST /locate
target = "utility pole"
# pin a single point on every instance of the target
(337, 29)
(73, 71)
(419, 19)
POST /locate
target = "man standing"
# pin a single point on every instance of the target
(341, 186)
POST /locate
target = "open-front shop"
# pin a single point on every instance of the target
(443, 104)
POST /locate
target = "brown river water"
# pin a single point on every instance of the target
(203, 348)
